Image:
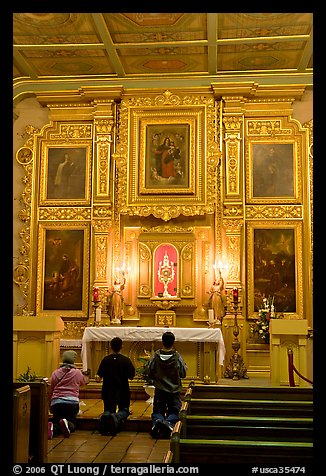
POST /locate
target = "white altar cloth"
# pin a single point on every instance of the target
(148, 334)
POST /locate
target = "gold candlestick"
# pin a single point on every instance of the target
(236, 368)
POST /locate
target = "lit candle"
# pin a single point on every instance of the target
(98, 313)
(210, 316)
(95, 294)
(235, 295)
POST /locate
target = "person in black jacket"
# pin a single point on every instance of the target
(166, 369)
(116, 370)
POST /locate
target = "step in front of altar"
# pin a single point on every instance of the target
(92, 408)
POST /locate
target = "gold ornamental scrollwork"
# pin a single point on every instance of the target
(233, 226)
(101, 226)
(102, 212)
(233, 210)
(25, 157)
(232, 139)
(167, 229)
(273, 211)
(73, 131)
(167, 99)
(269, 128)
(103, 140)
(64, 213)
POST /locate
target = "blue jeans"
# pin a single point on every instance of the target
(166, 406)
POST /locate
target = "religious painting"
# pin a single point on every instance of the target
(65, 173)
(167, 157)
(275, 258)
(272, 170)
(63, 278)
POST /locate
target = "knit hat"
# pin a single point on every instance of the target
(69, 357)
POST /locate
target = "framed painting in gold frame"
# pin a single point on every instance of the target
(167, 164)
(275, 261)
(62, 269)
(272, 172)
(167, 157)
(65, 173)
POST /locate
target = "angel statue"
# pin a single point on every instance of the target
(115, 300)
(217, 299)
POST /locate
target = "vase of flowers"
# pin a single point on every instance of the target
(265, 314)
(142, 373)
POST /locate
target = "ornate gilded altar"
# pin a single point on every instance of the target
(131, 195)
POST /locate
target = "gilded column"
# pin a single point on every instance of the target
(104, 126)
(233, 214)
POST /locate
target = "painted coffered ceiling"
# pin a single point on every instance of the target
(135, 49)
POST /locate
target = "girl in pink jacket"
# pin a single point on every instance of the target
(64, 395)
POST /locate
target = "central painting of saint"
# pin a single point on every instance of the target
(167, 156)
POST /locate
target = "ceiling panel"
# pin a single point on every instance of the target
(153, 45)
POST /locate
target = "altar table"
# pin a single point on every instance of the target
(203, 349)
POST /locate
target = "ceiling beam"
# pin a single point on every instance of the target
(108, 43)
(307, 54)
(212, 47)
(23, 66)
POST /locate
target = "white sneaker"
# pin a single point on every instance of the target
(65, 428)
(50, 430)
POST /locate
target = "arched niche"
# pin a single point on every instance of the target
(165, 271)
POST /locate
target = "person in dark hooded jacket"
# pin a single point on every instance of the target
(166, 369)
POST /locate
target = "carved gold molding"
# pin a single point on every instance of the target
(104, 138)
(273, 211)
(64, 213)
(173, 108)
(72, 132)
(22, 271)
(234, 210)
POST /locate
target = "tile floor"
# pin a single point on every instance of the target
(89, 446)
(85, 446)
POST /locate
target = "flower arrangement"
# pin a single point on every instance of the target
(28, 376)
(265, 314)
(142, 372)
